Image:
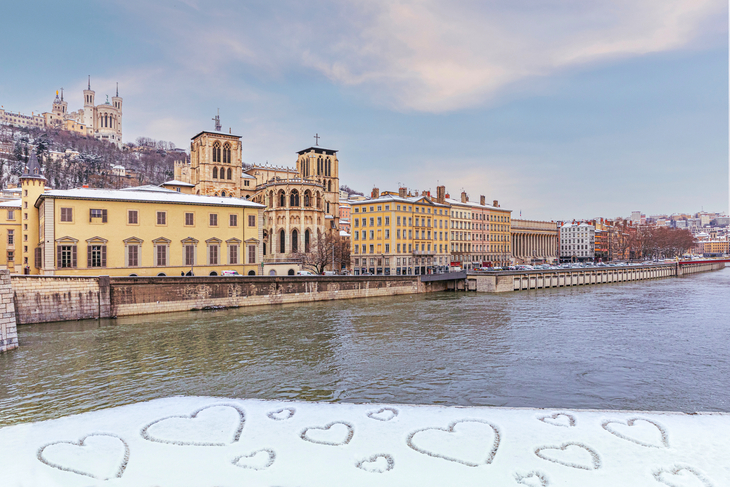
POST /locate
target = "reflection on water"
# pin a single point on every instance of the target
(656, 345)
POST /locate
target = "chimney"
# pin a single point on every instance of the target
(416, 193)
(402, 192)
(376, 193)
(448, 196)
(464, 197)
(427, 193)
(495, 204)
(441, 194)
(483, 200)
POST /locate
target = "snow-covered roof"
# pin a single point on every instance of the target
(473, 204)
(147, 194)
(344, 233)
(398, 199)
(11, 204)
(175, 182)
(247, 176)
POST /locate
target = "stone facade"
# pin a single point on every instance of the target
(8, 329)
(42, 299)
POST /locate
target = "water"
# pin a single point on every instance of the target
(652, 345)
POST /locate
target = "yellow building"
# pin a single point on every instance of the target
(142, 231)
(399, 234)
(10, 232)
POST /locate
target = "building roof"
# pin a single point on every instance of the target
(396, 198)
(147, 194)
(175, 182)
(473, 204)
(213, 132)
(11, 204)
(318, 150)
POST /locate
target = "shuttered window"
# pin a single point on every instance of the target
(133, 217)
(161, 218)
(66, 256)
(233, 220)
(251, 254)
(95, 213)
(38, 255)
(133, 255)
(233, 254)
(161, 255)
(251, 220)
(189, 254)
(96, 256)
(213, 255)
(67, 214)
(189, 219)
(213, 219)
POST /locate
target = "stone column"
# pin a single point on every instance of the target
(8, 326)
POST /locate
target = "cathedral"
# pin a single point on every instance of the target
(103, 121)
(302, 203)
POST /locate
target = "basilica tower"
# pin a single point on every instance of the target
(89, 107)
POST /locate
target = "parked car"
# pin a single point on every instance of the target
(230, 273)
(305, 273)
(329, 273)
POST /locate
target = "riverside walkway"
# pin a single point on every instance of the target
(508, 281)
(203, 441)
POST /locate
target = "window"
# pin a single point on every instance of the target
(161, 255)
(11, 214)
(233, 220)
(227, 154)
(189, 219)
(212, 254)
(216, 152)
(96, 256)
(162, 218)
(380, 208)
(98, 214)
(132, 255)
(214, 219)
(251, 220)
(233, 254)
(380, 221)
(11, 237)
(66, 256)
(132, 217)
(189, 253)
(251, 254)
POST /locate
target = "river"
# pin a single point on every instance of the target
(658, 345)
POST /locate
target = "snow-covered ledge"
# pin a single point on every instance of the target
(200, 441)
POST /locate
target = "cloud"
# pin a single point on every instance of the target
(426, 55)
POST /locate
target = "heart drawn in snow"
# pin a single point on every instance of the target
(575, 455)
(379, 463)
(640, 431)
(215, 425)
(559, 419)
(681, 476)
(471, 442)
(99, 456)
(383, 414)
(334, 434)
(532, 479)
(257, 460)
(282, 414)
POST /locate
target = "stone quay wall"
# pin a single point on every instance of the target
(8, 328)
(508, 281)
(40, 299)
(60, 298)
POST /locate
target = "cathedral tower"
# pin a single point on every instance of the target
(89, 106)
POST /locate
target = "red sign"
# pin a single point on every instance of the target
(456, 264)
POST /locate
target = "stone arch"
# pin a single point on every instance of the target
(216, 152)
(223, 193)
(230, 173)
(282, 199)
(291, 272)
(294, 241)
(215, 173)
(251, 273)
(272, 272)
(294, 198)
(307, 198)
(213, 273)
(282, 242)
(227, 152)
(161, 274)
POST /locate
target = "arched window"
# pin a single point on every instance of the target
(229, 174)
(227, 153)
(307, 198)
(294, 198)
(271, 199)
(223, 194)
(282, 242)
(305, 165)
(282, 199)
(306, 241)
(294, 241)
(329, 185)
(251, 273)
(328, 172)
(216, 152)
(319, 201)
(319, 166)
(215, 173)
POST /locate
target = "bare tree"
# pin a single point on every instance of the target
(329, 250)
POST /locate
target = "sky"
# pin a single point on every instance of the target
(561, 109)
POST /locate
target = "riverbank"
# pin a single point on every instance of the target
(201, 441)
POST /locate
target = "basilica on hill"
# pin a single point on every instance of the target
(301, 203)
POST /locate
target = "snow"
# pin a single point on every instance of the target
(175, 182)
(152, 194)
(11, 204)
(201, 441)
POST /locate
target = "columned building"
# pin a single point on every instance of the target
(535, 241)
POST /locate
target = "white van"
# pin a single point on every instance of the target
(305, 273)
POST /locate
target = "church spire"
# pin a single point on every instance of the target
(61, 94)
(89, 88)
(117, 89)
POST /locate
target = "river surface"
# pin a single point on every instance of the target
(659, 345)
